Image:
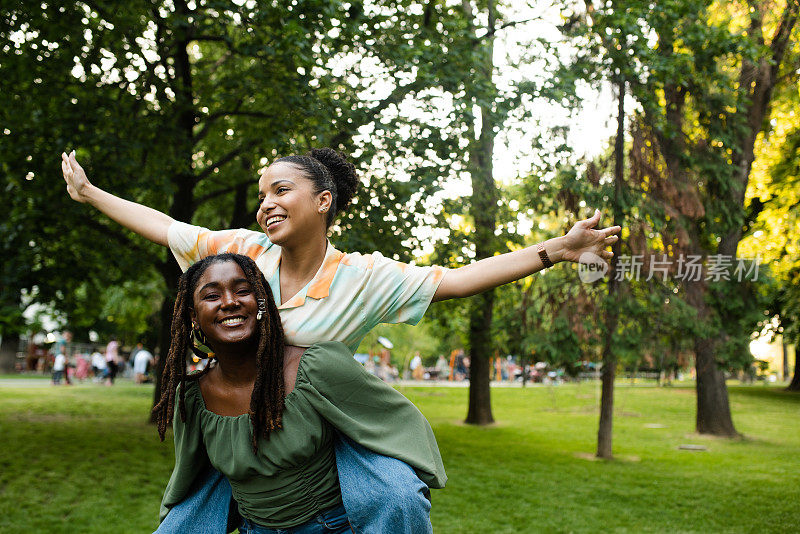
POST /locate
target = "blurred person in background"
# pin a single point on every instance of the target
(99, 366)
(417, 370)
(442, 368)
(59, 366)
(81, 367)
(112, 360)
(142, 360)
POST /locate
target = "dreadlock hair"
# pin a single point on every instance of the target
(267, 400)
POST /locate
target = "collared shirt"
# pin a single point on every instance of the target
(349, 295)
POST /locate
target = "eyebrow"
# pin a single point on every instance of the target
(273, 184)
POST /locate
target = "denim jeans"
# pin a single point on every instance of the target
(333, 521)
(203, 512)
(381, 495)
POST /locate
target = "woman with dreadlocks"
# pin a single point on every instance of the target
(265, 418)
(323, 294)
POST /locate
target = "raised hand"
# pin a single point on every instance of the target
(584, 244)
(77, 182)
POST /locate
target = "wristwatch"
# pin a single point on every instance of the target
(543, 255)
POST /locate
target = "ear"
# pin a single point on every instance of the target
(324, 201)
(192, 315)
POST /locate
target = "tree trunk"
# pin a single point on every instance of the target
(785, 361)
(479, 411)
(795, 384)
(604, 430)
(713, 409)
(171, 272)
(8, 352)
(757, 83)
(483, 210)
(242, 216)
(183, 204)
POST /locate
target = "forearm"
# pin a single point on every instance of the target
(496, 271)
(147, 222)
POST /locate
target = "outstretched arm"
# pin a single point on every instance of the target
(146, 222)
(582, 243)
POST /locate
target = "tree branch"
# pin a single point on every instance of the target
(116, 235)
(372, 114)
(224, 190)
(210, 38)
(227, 158)
(492, 31)
(395, 97)
(245, 113)
(209, 120)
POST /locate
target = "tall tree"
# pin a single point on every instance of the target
(609, 372)
(705, 76)
(483, 208)
(719, 230)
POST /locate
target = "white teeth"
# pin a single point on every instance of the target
(233, 320)
(274, 219)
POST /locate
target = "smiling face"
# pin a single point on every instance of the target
(289, 208)
(225, 305)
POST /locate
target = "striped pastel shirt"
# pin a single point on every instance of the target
(349, 295)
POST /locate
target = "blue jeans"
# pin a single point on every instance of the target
(381, 495)
(203, 512)
(328, 522)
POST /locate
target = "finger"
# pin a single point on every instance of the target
(611, 230)
(64, 158)
(587, 223)
(592, 221)
(74, 161)
(611, 239)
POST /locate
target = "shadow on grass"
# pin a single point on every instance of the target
(777, 394)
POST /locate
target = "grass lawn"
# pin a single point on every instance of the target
(82, 459)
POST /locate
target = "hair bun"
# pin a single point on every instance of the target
(342, 171)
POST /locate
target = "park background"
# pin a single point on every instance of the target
(476, 127)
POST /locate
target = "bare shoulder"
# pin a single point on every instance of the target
(291, 363)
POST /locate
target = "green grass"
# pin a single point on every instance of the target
(18, 376)
(83, 459)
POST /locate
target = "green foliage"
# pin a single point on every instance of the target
(690, 67)
(177, 105)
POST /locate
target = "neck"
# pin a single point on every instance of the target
(301, 262)
(237, 367)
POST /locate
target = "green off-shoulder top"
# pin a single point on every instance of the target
(293, 477)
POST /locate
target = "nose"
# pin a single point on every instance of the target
(228, 300)
(267, 203)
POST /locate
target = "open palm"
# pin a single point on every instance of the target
(74, 175)
(585, 244)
